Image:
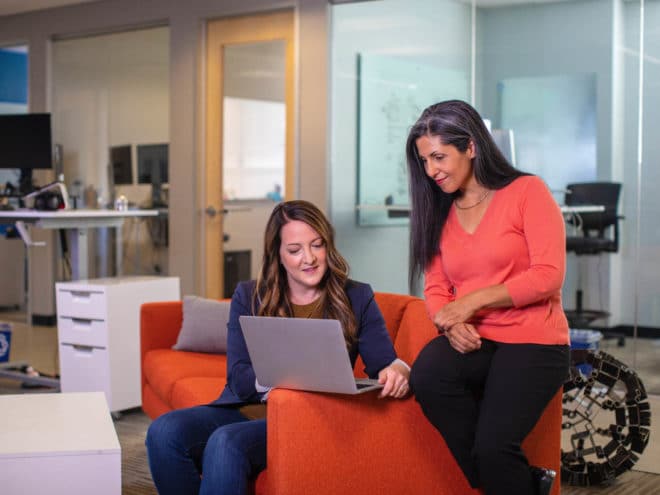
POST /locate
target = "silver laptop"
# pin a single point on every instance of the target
(302, 354)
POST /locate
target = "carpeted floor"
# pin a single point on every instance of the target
(136, 480)
(135, 477)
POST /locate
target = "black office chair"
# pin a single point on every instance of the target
(596, 233)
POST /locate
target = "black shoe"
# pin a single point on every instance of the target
(543, 479)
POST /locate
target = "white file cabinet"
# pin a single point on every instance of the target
(98, 329)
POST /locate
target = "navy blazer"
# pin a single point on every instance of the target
(373, 343)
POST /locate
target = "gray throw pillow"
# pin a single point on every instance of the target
(204, 327)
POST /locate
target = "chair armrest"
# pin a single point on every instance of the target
(160, 323)
(326, 443)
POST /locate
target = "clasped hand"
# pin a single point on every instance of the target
(452, 320)
(395, 381)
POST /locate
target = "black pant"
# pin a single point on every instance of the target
(484, 404)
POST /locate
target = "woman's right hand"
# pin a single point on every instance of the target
(463, 337)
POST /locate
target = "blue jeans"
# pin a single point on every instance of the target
(219, 442)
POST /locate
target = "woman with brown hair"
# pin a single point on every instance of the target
(304, 276)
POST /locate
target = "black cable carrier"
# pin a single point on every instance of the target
(600, 451)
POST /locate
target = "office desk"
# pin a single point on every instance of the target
(577, 209)
(404, 210)
(78, 222)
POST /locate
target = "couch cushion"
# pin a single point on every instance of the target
(152, 405)
(415, 332)
(204, 327)
(196, 390)
(392, 306)
(162, 368)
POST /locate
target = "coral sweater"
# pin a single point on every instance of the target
(521, 243)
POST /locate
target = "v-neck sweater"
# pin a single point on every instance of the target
(520, 242)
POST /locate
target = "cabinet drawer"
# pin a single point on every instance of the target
(81, 304)
(84, 369)
(82, 331)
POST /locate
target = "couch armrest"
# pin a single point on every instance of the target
(325, 443)
(160, 323)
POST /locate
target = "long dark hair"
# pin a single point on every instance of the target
(271, 296)
(456, 123)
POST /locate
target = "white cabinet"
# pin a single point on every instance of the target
(98, 329)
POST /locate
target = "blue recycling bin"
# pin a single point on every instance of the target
(585, 339)
(5, 341)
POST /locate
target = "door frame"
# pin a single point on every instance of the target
(278, 25)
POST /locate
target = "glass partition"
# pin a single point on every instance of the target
(110, 112)
(566, 99)
(254, 120)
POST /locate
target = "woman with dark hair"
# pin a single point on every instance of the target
(304, 276)
(490, 242)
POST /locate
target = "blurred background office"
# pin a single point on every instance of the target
(573, 82)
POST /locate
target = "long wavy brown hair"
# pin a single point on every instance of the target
(271, 297)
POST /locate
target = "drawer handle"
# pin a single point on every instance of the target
(79, 322)
(81, 295)
(85, 349)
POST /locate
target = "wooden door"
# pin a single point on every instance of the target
(224, 36)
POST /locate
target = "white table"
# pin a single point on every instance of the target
(78, 221)
(58, 444)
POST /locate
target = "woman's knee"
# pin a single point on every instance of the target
(426, 368)
(164, 431)
(226, 448)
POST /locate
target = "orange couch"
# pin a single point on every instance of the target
(330, 444)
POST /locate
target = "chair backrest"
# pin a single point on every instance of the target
(594, 224)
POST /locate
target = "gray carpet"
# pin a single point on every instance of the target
(136, 480)
(135, 477)
(132, 426)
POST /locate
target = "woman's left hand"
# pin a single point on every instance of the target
(395, 381)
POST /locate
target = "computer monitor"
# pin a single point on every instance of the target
(121, 164)
(152, 163)
(26, 144)
(152, 169)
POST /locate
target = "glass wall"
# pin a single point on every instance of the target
(110, 112)
(566, 90)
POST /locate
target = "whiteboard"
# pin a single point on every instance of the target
(392, 93)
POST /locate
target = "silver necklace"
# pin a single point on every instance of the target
(473, 205)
